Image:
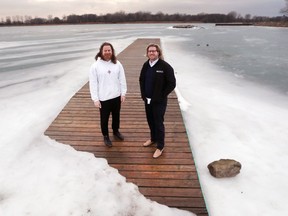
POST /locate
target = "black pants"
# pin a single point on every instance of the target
(155, 117)
(110, 106)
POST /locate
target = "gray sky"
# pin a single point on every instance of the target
(43, 8)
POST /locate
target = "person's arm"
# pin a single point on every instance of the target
(123, 83)
(142, 82)
(93, 86)
(170, 79)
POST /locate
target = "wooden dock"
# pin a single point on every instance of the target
(172, 179)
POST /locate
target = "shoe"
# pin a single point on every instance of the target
(157, 153)
(107, 141)
(118, 135)
(148, 143)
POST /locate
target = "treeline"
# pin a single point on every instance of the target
(122, 17)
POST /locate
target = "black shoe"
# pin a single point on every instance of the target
(118, 135)
(107, 141)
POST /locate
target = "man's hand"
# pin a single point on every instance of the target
(97, 104)
(123, 99)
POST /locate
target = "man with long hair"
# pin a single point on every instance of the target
(157, 81)
(107, 83)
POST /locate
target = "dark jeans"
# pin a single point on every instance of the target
(155, 117)
(110, 106)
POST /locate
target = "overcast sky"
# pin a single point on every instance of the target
(43, 8)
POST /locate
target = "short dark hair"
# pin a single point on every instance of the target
(99, 54)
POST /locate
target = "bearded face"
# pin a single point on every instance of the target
(107, 53)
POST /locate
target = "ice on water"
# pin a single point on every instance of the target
(228, 113)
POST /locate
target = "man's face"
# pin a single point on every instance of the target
(107, 53)
(152, 53)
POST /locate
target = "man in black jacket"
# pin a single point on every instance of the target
(157, 81)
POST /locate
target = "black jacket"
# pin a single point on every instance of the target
(164, 80)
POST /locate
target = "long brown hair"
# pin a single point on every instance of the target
(157, 48)
(99, 54)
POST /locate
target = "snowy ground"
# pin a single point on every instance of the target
(224, 117)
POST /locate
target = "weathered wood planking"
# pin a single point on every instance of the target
(171, 179)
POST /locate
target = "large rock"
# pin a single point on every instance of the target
(224, 168)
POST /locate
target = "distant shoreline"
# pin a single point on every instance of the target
(268, 24)
(234, 24)
(94, 23)
(272, 24)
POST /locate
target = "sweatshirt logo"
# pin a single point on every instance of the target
(159, 71)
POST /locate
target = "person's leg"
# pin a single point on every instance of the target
(104, 117)
(159, 110)
(116, 107)
(150, 121)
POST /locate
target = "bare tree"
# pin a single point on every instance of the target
(285, 9)
(232, 16)
(8, 20)
(27, 19)
(247, 16)
(50, 18)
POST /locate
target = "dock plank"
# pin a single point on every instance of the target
(172, 179)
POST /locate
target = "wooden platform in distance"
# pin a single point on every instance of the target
(171, 179)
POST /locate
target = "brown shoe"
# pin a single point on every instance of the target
(148, 143)
(157, 153)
